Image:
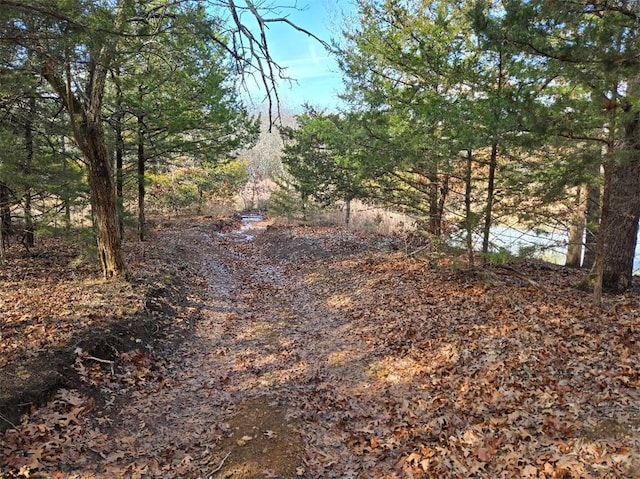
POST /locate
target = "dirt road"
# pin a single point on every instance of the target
(317, 352)
(277, 357)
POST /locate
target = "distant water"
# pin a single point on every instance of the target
(550, 247)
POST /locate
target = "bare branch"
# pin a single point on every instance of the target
(258, 55)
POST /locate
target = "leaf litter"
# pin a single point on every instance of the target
(315, 354)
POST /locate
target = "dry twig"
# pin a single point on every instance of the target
(8, 422)
(217, 469)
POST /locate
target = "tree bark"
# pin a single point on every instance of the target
(347, 211)
(438, 190)
(85, 115)
(141, 188)
(118, 129)
(434, 220)
(2, 245)
(592, 224)
(66, 197)
(442, 201)
(104, 203)
(89, 135)
(619, 227)
(469, 222)
(27, 166)
(5, 217)
(120, 182)
(488, 211)
(493, 164)
(576, 230)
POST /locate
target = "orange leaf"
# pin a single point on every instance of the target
(483, 454)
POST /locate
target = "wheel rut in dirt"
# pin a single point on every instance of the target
(237, 344)
(276, 349)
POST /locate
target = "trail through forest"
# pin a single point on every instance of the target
(321, 352)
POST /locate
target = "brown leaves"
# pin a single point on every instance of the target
(49, 432)
(498, 380)
(45, 302)
(383, 367)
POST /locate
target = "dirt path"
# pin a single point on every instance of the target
(268, 358)
(274, 355)
(317, 352)
(221, 409)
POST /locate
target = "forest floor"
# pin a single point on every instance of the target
(312, 352)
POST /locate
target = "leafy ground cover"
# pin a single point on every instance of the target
(319, 352)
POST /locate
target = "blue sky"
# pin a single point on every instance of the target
(318, 79)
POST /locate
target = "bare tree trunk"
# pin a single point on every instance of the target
(29, 231)
(118, 128)
(576, 230)
(621, 208)
(442, 200)
(104, 203)
(493, 165)
(120, 182)
(5, 218)
(85, 116)
(27, 166)
(592, 220)
(619, 229)
(2, 245)
(469, 221)
(347, 211)
(488, 211)
(438, 191)
(602, 238)
(141, 172)
(434, 220)
(5, 209)
(66, 197)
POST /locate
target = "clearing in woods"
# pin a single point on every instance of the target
(320, 352)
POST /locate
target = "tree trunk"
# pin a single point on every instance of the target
(120, 187)
(488, 211)
(2, 246)
(5, 209)
(103, 201)
(141, 188)
(442, 200)
(89, 136)
(5, 217)
(576, 230)
(29, 234)
(592, 220)
(347, 211)
(469, 222)
(28, 238)
(493, 164)
(619, 227)
(118, 128)
(66, 197)
(434, 222)
(85, 116)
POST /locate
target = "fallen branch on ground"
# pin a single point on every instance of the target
(217, 469)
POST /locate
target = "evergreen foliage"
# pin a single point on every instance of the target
(515, 106)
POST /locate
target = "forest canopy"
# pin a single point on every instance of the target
(472, 114)
(463, 115)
